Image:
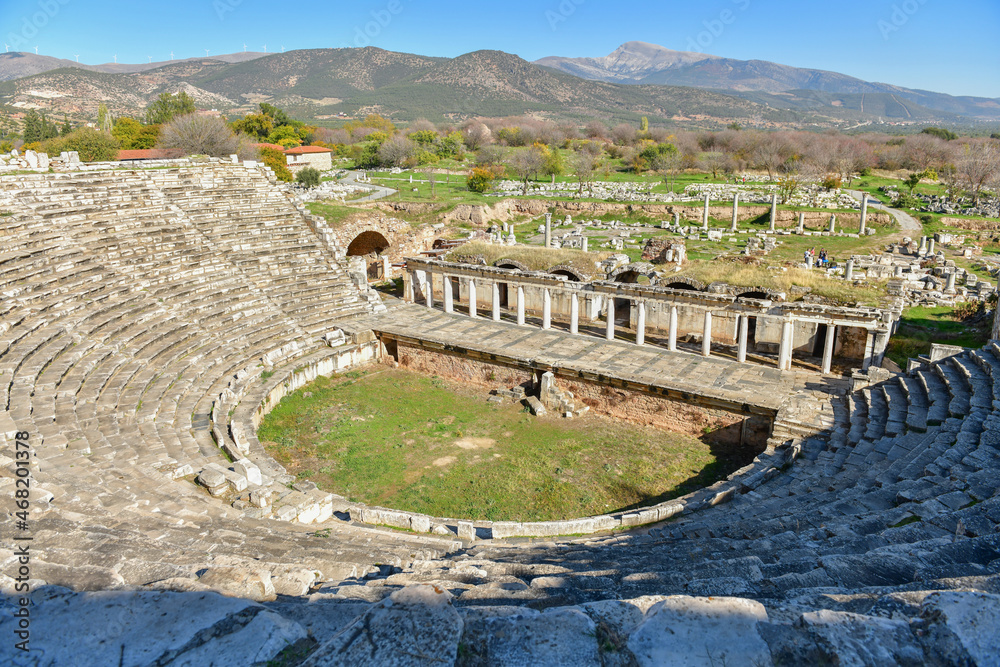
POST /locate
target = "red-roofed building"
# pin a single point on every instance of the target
(149, 154)
(316, 157)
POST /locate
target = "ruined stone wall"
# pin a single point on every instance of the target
(720, 427)
(404, 239)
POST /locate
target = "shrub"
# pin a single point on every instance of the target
(480, 180)
(204, 135)
(308, 177)
(832, 182)
(92, 145)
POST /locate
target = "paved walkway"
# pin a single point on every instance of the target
(378, 192)
(906, 221)
(713, 377)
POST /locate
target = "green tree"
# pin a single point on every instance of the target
(644, 125)
(32, 127)
(368, 159)
(255, 125)
(278, 117)
(133, 135)
(308, 177)
(166, 107)
(452, 145)
(277, 161)
(913, 180)
(66, 127)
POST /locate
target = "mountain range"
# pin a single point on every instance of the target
(762, 81)
(321, 85)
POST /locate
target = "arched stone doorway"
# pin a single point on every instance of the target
(684, 283)
(370, 246)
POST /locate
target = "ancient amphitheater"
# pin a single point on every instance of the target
(149, 318)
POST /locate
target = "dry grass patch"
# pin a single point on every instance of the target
(536, 259)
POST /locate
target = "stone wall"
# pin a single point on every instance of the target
(686, 418)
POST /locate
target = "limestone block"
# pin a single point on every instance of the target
(683, 630)
(414, 626)
(849, 639)
(240, 582)
(151, 628)
(420, 523)
(466, 530)
(249, 469)
(562, 636)
(260, 497)
(962, 627)
(212, 480)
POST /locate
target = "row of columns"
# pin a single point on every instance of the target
(784, 354)
(774, 215)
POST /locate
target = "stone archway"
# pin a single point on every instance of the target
(511, 264)
(571, 273)
(685, 283)
(632, 273)
(370, 245)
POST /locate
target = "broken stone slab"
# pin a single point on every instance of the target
(697, 631)
(962, 627)
(562, 636)
(844, 638)
(415, 626)
(249, 470)
(152, 627)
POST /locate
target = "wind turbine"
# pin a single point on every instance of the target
(244, 47)
(265, 48)
(116, 58)
(150, 59)
(77, 58)
(282, 49)
(36, 50)
(171, 55)
(207, 51)
(7, 46)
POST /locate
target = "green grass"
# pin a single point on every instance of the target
(921, 326)
(334, 214)
(398, 439)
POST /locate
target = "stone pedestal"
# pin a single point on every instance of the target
(774, 211)
(849, 273)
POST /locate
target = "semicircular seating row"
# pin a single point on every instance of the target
(129, 300)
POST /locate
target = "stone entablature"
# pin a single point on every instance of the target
(854, 334)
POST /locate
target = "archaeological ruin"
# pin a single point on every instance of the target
(151, 318)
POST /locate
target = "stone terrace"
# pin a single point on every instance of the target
(132, 300)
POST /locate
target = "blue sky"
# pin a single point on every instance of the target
(930, 44)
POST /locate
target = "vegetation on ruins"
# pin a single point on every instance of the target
(277, 161)
(533, 257)
(92, 145)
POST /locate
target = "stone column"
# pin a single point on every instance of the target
(520, 305)
(548, 230)
(922, 250)
(833, 223)
(546, 309)
(574, 313)
(741, 351)
(706, 335)
(704, 217)
(774, 211)
(585, 244)
(950, 287)
(809, 262)
(864, 213)
(429, 292)
(677, 219)
(849, 272)
(879, 346)
(672, 335)
(449, 298)
(869, 347)
(831, 336)
(736, 212)
(930, 246)
(802, 223)
(610, 329)
(496, 301)
(785, 352)
(640, 333)
(408, 287)
(473, 306)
